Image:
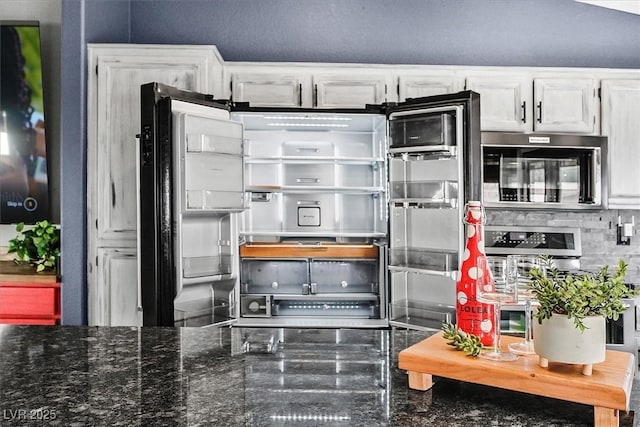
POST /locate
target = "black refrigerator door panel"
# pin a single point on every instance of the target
(191, 187)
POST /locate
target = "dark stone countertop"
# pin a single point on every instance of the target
(121, 376)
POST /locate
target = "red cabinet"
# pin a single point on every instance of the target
(28, 298)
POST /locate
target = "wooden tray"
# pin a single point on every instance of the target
(607, 389)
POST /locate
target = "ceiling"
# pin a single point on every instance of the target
(630, 6)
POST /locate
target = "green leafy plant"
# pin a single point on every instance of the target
(39, 245)
(579, 296)
(461, 340)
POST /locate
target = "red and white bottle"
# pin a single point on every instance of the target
(472, 316)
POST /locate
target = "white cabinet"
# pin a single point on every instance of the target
(621, 124)
(350, 90)
(565, 105)
(426, 84)
(517, 102)
(504, 102)
(311, 86)
(270, 89)
(113, 120)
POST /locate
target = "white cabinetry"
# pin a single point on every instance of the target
(427, 83)
(311, 86)
(565, 105)
(521, 102)
(113, 120)
(504, 102)
(621, 124)
(271, 87)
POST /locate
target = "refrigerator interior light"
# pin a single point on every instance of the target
(325, 125)
(325, 118)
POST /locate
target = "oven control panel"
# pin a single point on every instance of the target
(525, 240)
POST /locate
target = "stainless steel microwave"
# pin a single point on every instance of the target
(550, 171)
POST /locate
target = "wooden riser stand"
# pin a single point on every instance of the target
(607, 389)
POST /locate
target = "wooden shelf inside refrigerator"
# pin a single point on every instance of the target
(280, 250)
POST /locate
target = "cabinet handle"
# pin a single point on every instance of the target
(540, 112)
(313, 288)
(524, 112)
(315, 95)
(299, 94)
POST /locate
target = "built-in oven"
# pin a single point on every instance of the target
(564, 246)
(553, 171)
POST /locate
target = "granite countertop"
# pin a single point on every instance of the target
(122, 376)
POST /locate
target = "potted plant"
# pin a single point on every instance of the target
(572, 312)
(38, 245)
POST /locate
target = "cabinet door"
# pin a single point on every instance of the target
(565, 105)
(419, 86)
(621, 124)
(113, 120)
(504, 102)
(114, 298)
(349, 91)
(268, 90)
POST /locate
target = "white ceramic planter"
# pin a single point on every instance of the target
(557, 339)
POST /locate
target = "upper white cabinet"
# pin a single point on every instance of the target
(504, 102)
(350, 89)
(311, 86)
(621, 124)
(518, 102)
(419, 84)
(113, 120)
(565, 105)
(272, 89)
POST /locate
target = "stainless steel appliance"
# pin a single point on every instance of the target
(564, 245)
(544, 171)
(299, 217)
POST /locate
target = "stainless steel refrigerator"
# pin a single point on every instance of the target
(303, 217)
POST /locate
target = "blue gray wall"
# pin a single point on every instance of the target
(466, 32)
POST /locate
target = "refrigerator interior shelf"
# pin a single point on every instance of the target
(210, 278)
(326, 297)
(315, 189)
(425, 203)
(421, 315)
(314, 160)
(302, 251)
(451, 150)
(317, 234)
(452, 274)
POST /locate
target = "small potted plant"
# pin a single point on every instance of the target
(572, 312)
(38, 245)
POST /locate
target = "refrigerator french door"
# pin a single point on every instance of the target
(349, 218)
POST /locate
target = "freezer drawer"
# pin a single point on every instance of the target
(341, 276)
(259, 276)
(367, 307)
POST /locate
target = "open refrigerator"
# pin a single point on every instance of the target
(303, 217)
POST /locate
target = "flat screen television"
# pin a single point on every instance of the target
(24, 190)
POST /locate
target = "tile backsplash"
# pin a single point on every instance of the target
(598, 232)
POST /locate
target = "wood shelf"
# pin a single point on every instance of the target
(27, 297)
(608, 388)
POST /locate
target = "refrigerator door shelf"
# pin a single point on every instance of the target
(416, 259)
(210, 164)
(424, 316)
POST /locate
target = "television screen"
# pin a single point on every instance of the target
(23, 155)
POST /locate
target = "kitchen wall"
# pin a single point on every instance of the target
(598, 233)
(560, 33)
